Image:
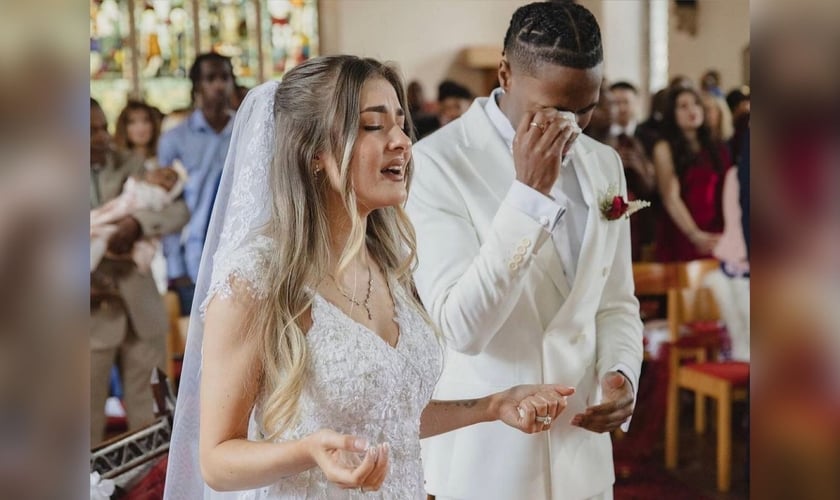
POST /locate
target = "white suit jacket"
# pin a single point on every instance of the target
(494, 283)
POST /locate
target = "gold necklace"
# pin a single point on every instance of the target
(352, 299)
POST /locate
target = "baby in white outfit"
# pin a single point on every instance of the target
(157, 188)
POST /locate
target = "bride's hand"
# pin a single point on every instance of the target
(346, 463)
(531, 408)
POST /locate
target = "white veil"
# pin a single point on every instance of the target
(242, 207)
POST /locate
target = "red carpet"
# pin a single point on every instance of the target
(649, 481)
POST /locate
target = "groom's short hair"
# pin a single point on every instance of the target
(558, 32)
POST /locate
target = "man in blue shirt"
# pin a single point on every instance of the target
(200, 143)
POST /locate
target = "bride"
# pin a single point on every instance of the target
(312, 372)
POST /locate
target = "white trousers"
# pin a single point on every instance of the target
(732, 296)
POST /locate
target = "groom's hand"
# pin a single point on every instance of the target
(542, 137)
(614, 411)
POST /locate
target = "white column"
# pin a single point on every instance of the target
(624, 33)
(658, 45)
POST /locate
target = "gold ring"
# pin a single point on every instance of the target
(540, 125)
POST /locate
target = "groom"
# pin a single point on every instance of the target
(526, 278)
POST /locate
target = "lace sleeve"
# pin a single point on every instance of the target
(243, 270)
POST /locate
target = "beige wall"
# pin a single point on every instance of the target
(723, 31)
(426, 37)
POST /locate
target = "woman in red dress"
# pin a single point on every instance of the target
(690, 168)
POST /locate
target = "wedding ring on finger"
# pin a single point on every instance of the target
(541, 126)
(546, 420)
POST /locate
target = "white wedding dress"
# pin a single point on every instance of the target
(359, 385)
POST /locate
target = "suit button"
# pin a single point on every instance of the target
(520, 250)
(517, 258)
(526, 242)
(513, 266)
(544, 221)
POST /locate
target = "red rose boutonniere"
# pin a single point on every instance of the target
(614, 206)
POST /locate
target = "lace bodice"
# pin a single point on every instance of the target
(360, 385)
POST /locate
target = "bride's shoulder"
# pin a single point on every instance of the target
(242, 272)
(252, 257)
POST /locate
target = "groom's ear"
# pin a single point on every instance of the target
(504, 74)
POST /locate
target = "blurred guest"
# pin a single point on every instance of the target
(738, 101)
(138, 131)
(425, 121)
(690, 167)
(731, 283)
(453, 101)
(710, 83)
(127, 316)
(648, 131)
(417, 99)
(239, 92)
(681, 81)
(718, 118)
(638, 168)
(173, 118)
(599, 125)
(200, 143)
(156, 189)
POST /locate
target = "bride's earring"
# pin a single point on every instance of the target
(317, 170)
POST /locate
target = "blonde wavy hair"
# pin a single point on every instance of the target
(317, 110)
(723, 128)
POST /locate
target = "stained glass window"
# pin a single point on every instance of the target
(166, 39)
(148, 54)
(229, 27)
(109, 44)
(292, 34)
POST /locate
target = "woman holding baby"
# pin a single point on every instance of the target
(127, 317)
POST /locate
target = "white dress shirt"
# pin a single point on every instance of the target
(630, 130)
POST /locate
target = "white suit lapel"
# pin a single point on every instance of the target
(592, 185)
(487, 151)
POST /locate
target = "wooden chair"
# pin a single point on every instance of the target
(654, 278)
(177, 337)
(726, 381)
(690, 274)
(652, 281)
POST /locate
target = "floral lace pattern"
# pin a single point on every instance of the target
(357, 384)
(245, 265)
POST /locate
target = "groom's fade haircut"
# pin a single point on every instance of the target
(560, 32)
